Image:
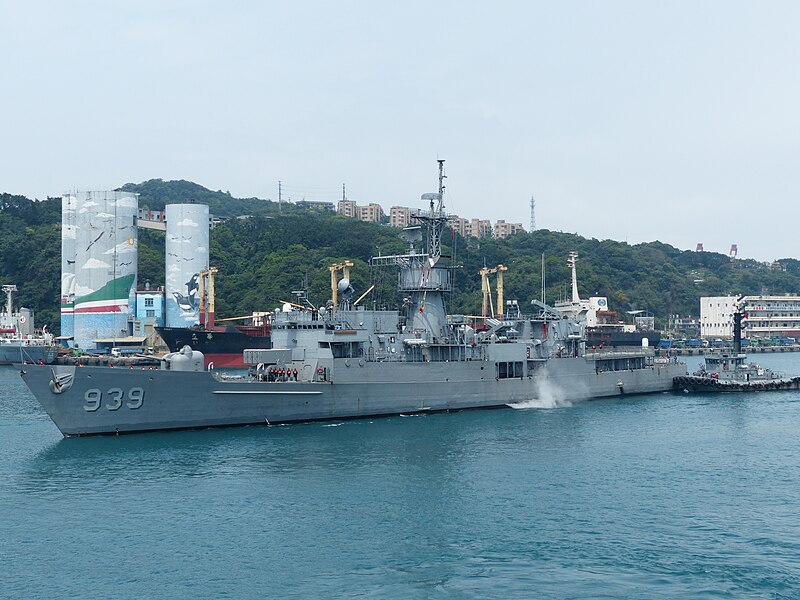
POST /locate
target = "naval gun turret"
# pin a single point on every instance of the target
(185, 359)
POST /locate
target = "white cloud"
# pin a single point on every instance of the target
(187, 223)
(82, 290)
(94, 263)
(127, 202)
(122, 248)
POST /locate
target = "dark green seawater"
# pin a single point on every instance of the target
(663, 496)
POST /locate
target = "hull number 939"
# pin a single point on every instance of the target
(113, 398)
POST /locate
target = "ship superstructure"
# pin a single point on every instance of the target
(20, 342)
(603, 327)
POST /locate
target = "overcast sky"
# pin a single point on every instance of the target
(635, 121)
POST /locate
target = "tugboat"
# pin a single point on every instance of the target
(344, 361)
(19, 341)
(730, 372)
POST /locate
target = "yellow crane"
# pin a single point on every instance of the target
(487, 292)
(207, 296)
(334, 269)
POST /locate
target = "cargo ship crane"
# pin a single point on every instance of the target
(487, 296)
(206, 290)
(9, 290)
(334, 269)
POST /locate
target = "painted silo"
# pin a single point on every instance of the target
(105, 264)
(186, 256)
(67, 263)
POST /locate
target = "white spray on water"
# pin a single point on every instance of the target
(547, 395)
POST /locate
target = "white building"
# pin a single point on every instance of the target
(766, 316)
(716, 316)
(772, 316)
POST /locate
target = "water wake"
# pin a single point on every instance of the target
(548, 395)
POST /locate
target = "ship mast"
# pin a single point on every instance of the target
(436, 219)
(9, 290)
(571, 262)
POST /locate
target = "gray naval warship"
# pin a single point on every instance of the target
(345, 361)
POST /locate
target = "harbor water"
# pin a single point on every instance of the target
(661, 496)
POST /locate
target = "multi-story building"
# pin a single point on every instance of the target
(319, 204)
(772, 316)
(150, 311)
(480, 228)
(503, 229)
(348, 208)
(687, 327)
(716, 316)
(766, 316)
(146, 214)
(399, 216)
(459, 224)
(402, 216)
(371, 212)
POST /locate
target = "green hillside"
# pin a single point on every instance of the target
(156, 193)
(264, 257)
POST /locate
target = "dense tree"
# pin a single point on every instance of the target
(263, 258)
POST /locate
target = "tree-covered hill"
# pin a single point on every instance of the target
(263, 258)
(156, 193)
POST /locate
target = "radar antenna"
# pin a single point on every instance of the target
(436, 219)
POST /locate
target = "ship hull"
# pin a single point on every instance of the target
(91, 401)
(222, 348)
(13, 354)
(619, 339)
(701, 384)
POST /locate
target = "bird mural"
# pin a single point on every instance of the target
(95, 240)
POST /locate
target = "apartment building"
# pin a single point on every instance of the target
(371, 212)
(400, 216)
(503, 229)
(480, 228)
(459, 224)
(347, 208)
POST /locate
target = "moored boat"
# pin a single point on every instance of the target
(603, 327)
(729, 371)
(222, 347)
(20, 342)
